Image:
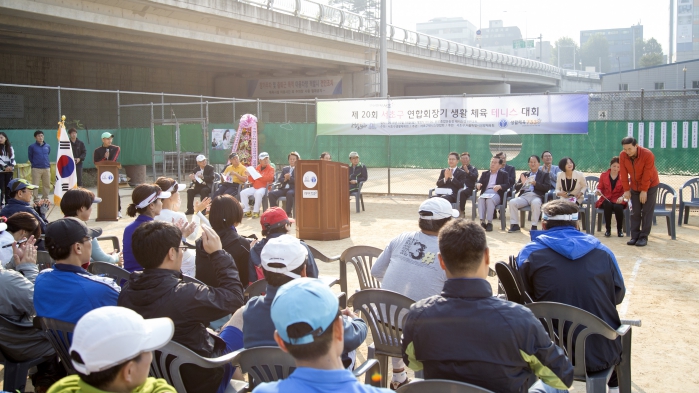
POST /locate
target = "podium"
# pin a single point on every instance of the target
(322, 200)
(108, 190)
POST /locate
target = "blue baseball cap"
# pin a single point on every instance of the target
(306, 300)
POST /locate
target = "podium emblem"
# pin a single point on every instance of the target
(107, 178)
(310, 179)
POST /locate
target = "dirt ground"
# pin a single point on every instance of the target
(661, 281)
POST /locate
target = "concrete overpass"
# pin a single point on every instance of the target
(214, 47)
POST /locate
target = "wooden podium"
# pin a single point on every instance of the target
(322, 200)
(108, 190)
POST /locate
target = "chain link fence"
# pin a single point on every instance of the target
(666, 121)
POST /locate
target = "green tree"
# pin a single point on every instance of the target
(650, 60)
(570, 53)
(594, 51)
(652, 46)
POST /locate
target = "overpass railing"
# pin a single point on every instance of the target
(326, 14)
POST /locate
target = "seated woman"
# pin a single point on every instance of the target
(611, 193)
(226, 214)
(78, 203)
(570, 184)
(21, 225)
(147, 203)
(275, 223)
(171, 213)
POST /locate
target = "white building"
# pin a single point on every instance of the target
(675, 76)
(454, 29)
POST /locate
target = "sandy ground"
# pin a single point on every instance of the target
(661, 281)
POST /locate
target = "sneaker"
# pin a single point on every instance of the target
(395, 384)
(248, 214)
(255, 215)
(613, 390)
(514, 228)
(489, 227)
(119, 215)
(534, 228)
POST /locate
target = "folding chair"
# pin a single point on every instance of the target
(664, 191)
(362, 258)
(59, 334)
(120, 276)
(441, 386)
(358, 197)
(692, 201)
(15, 379)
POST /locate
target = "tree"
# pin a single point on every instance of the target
(366, 8)
(650, 60)
(652, 46)
(570, 53)
(594, 51)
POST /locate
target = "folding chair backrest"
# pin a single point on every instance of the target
(44, 260)
(693, 185)
(167, 361)
(592, 182)
(510, 283)
(665, 191)
(322, 257)
(59, 334)
(362, 258)
(113, 239)
(120, 276)
(255, 289)
(441, 386)
(265, 364)
(385, 313)
(569, 327)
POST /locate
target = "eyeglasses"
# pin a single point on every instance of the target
(183, 248)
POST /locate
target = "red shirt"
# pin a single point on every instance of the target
(266, 178)
(642, 172)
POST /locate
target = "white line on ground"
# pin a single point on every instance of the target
(629, 288)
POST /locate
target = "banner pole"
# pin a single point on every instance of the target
(389, 164)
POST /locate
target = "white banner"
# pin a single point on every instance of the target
(674, 135)
(663, 135)
(531, 114)
(685, 134)
(640, 133)
(651, 135)
(694, 134)
(320, 86)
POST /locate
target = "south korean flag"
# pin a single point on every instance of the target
(66, 178)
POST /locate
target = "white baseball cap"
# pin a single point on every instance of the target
(201, 157)
(437, 209)
(263, 155)
(108, 336)
(283, 254)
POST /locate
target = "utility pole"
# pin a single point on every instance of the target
(672, 31)
(633, 43)
(383, 90)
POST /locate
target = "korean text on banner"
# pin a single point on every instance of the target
(66, 177)
(531, 114)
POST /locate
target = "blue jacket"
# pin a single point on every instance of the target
(68, 292)
(567, 266)
(466, 334)
(39, 155)
(15, 206)
(313, 380)
(130, 262)
(258, 328)
(256, 258)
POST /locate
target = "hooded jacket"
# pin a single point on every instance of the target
(567, 266)
(234, 244)
(157, 293)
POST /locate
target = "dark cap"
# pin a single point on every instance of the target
(69, 230)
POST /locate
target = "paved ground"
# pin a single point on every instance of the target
(661, 281)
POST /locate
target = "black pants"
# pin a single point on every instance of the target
(642, 214)
(465, 194)
(79, 173)
(227, 188)
(5, 178)
(289, 193)
(200, 189)
(618, 211)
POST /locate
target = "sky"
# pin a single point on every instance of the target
(551, 18)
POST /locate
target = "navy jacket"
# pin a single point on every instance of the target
(471, 176)
(465, 334)
(542, 186)
(501, 180)
(39, 155)
(258, 328)
(256, 258)
(455, 184)
(357, 173)
(567, 266)
(15, 206)
(511, 173)
(292, 179)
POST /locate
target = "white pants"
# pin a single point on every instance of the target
(526, 199)
(486, 206)
(258, 193)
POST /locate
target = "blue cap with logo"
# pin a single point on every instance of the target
(304, 300)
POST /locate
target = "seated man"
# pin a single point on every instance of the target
(259, 186)
(16, 304)
(202, 178)
(310, 328)
(67, 292)
(325, 156)
(407, 265)
(283, 260)
(549, 168)
(287, 180)
(21, 198)
(532, 187)
(564, 265)
(233, 177)
(470, 180)
(357, 172)
(159, 291)
(451, 179)
(493, 184)
(500, 346)
(112, 352)
(511, 173)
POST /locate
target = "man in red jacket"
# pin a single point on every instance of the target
(640, 180)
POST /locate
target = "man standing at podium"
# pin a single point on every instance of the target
(357, 172)
(108, 152)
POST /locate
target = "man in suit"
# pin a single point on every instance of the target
(287, 182)
(451, 178)
(493, 184)
(203, 179)
(470, 179)
(532, 187)
(511, 173)
(79, 153)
